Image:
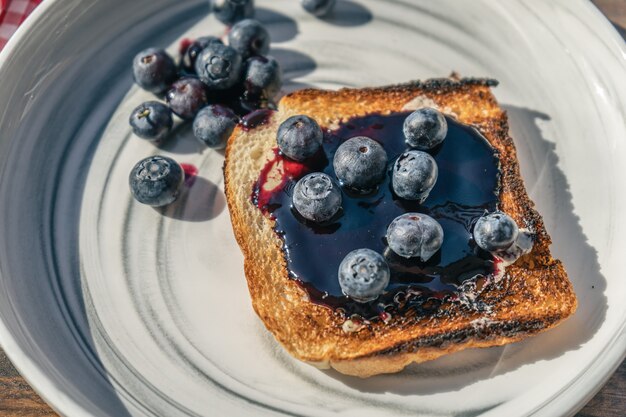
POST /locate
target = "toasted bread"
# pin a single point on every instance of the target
(533, 295)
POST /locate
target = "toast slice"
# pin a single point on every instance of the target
(533, 295)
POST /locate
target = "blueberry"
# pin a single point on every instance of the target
(249, 37)
(363, 275)
(154, 70)
(414, 175)
(318, 8)
(415, 235)
(425, 128)
(263, 77)
(523, 244)
(299, 137)
(495, 231)
(316, 197)
(151, 120)
(186, 97)
(188, 60)
(232, 11)
(219, 66)
(156, 181)
(360, 163)
(213, 125)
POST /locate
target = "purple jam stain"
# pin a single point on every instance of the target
(184, 44)
(191, 172)
(289, 171)
(467, 186)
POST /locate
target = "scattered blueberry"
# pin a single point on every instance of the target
(299, 137)
(316, 197)
(360, 163)
(363, 275)
(151, 120)
(230, 12)
(263, 77)
(425, 128)
(414, 175)
(249, 37)
(219, 66)
(156, 181)
(319, 8)
(213, 125)
(495, 231)
(188, 60)
(415, 235)
(186, 97)
(154, 70)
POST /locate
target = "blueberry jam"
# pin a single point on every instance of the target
(255, 118)
(468, 185)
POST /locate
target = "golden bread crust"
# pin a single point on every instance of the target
(534, 294)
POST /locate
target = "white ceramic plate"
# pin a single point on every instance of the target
(112, 308)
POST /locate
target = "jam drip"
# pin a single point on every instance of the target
(467, 186)
(255, 118)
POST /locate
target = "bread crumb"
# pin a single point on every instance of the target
(419, 102)
(350, 326)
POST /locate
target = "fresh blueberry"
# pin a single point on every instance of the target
(151, 120)
(318, 8)
(523, 244)
(249, 37)
(363, 275)
(425, 128)
(299, 137)
(414, 175)
(188, 60)
(415, 235)
(316, 197)
(219, 66)
(230, 12)
(154, 70)
(186, 97)
(156, 181)
(360, 163)
(495, 231)
(213, 125)
(263, 77)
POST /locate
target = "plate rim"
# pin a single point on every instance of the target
(592, 378)
(36, 378)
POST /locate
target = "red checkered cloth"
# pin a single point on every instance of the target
(12, 14)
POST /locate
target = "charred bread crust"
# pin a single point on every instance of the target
(533, 295)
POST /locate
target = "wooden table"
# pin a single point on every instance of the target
(18, 399)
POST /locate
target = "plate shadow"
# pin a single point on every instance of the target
(202, 200)
(348, 13)
(281, 27)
